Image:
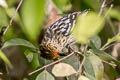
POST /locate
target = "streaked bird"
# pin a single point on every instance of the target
(58, 38)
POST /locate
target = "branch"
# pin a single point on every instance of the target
(84, 58)
(13, 17)
(46, 66)
(102, 7)
(107, 46)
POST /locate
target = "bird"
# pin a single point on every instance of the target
(58, 38)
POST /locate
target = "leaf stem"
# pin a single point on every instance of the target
(102, 7)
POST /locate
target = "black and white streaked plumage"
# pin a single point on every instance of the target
(57, 38)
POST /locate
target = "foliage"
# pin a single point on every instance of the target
(96, 32)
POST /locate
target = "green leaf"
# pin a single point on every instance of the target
(11, 12)
(29, 55)
(33, 15)
(87, 26)
(63, 69)
(35, 61)
(115, 38)
(5, 59)
(103, 55)
(89, 69)
(114, 14)
(73, 61)
(96, 41)
(10, 33)
(18, 42)
(3, 17)
(63, 5)
(95, 4)
(45, 76)
(94, 66)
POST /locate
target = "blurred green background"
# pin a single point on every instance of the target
(35, 15)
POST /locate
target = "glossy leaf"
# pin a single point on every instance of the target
(18, 42)
(87, 26)
(44, 76)
(94, 66)
(62, 70)
(5, 59)
(33, 15)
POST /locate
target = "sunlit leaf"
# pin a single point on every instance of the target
(29, 55)
(114, 14)
(18, 42)
(83, 78)
(32, 15)
(63, 5)
(62, 70)
(87, 26)
(44, 76)
(94, 66)
(5, 59)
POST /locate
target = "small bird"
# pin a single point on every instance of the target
(57, 38)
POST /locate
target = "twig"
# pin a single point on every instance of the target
(84, 57)
(107, 46)
(31, 73)
(109, 63)
(13, 16)
(111, 6)
(80, 68)
(102, 7)
(104, 46)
